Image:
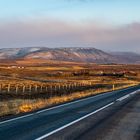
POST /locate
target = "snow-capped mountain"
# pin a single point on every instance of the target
(67, 54)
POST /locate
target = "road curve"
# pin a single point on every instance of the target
(41, 124)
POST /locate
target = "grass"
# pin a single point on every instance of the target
(26, 107)
(62, 72)
(17, 106)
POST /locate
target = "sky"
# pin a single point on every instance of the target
(110, 25)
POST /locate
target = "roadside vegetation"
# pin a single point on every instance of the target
(27, 88)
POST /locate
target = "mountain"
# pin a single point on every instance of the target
(127, 57)
(60, 54)
(69, 54)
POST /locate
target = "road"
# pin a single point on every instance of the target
(44, 123)
(122, 124)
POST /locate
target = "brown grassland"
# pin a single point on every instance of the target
(27, 85)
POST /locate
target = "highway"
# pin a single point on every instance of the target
(44, 123)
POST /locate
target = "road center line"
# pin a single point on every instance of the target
(128, 95)
(123, 98)
(69, 124)
(55, 107)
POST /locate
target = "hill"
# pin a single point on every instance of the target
(85, 55)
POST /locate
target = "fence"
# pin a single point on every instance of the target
(46, 90)
(20, 89)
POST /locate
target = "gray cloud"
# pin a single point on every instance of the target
(47, 32)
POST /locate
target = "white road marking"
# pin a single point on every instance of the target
(55, 107)
(73, 102)
(132, 93)
(123, 98)
(16, 118)
(128, 95)
(69, 124)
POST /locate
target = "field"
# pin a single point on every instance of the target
(34, 84)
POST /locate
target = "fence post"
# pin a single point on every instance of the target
(59, 86)
(30, 88)
(46, 88)
(90, 83)
(36, 88)
(8, 88)
(16, 88)
(41, 88)
(113, 87)
(68, 86)
(56, 89)
(75, 85)
(23, 90)
(51, 92)
(0, 87)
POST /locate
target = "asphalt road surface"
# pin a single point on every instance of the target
(46, 123)
(123, 124)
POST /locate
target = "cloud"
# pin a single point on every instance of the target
(44, 32)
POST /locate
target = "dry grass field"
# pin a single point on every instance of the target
(30, 85)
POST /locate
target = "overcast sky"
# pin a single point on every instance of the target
(111, 25)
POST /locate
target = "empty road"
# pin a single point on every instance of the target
(45, 123)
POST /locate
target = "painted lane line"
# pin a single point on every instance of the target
(65, 104)
(128, 95)
(73, 102)
(67, 125)
(71, 123)
(16, 118)
(133, 93)
(123, 98)
(55, 107)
